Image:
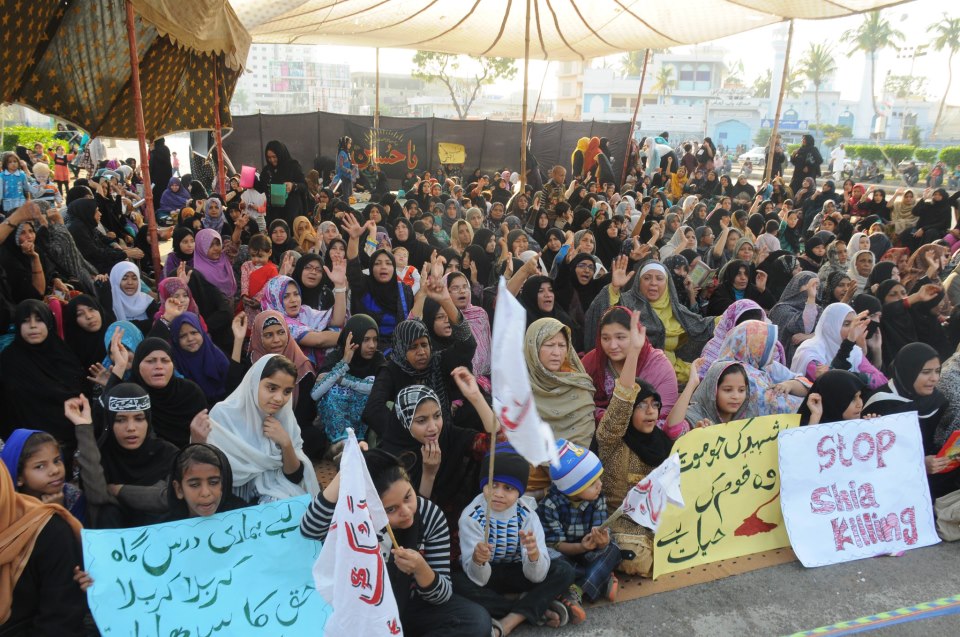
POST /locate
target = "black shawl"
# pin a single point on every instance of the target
(88, 346)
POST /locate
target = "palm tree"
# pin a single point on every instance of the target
(874, 34)
(631, 63)
(665, 83)
(947, 37)
(761, 85)
(817, 65)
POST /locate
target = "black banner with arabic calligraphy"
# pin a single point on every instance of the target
(394, 150)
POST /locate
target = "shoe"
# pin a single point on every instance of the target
(561, 610)
(572, 601)
(613, 587)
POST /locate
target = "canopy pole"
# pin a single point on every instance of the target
(142, 139)
(536, 107)
(768, 165)
(221, 168)
(376, 111)
(633, 120)
(523, 114)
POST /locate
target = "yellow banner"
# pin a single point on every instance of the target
(730, 480)
(451, 153)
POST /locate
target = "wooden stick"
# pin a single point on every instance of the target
(493, 451)
(393, 538)
(616, 515)
(768, 165)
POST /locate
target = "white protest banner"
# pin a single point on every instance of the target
(512, 395)
(855, 489)
(648, 498)
(351, 573)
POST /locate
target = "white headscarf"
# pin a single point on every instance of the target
(853, 245)
(126, 307)
(237, 423)
(861, 281)
(826, 341)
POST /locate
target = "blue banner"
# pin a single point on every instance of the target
(244, 572)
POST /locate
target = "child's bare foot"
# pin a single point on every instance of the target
(551, 619)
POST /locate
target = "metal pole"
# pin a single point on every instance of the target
(142, 139)
(523, 121)
(633, 120)
(221, 168)
(776, 119)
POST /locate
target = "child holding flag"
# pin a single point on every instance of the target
(419, 568)
(572, 514)
(512, 557)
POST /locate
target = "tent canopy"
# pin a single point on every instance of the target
(559, 30)
(72, 61)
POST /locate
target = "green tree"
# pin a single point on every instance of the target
(762, 136)
(928, 155)
(817, 65)
(761, 85)
(950, 155)
(664, 83)
(832, 133)
(734, 74)
(912, 133)
(905, 86)
(631, 63)
(947, 34)
(873, 34)
(443, 68)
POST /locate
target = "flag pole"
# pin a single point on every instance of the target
(486, 514)
(772, 143)
(393, 538)
(616, 515)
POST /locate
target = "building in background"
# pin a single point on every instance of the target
(395, 92)
(281, 78)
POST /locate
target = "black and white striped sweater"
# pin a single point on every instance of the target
(434, 542)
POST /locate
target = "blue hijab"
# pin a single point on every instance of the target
(207, 367)
(13, 447)
(132, 336)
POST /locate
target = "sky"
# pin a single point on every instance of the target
(753, 48)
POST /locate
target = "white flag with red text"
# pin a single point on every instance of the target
(350, 572)
(647, 500)
(512, 395)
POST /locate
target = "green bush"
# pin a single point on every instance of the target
(928, 155)
(27, 136)
(950, 155)
(791, 148)
(896, 153)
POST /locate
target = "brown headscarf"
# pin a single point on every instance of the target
(291, 351)
(22, 517)
(564, 399)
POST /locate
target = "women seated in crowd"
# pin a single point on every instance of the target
(251, 373)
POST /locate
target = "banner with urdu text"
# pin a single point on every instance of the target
(241, 573)
(856, 489)
(730, 483)
(395, 151)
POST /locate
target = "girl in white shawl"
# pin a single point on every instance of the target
(256, 429)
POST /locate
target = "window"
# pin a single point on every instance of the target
(618, 102)
(703, 77)
(685, 79)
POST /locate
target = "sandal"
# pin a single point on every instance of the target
(496, 628)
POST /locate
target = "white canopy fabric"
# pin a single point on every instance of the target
(559, 29)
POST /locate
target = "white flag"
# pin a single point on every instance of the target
(512, 395)
(646, 501)
(350, 572)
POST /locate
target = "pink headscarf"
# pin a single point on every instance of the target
(219, 272)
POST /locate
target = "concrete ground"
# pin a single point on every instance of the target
(787, 598)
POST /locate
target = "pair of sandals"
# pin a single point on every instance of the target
(556, 607)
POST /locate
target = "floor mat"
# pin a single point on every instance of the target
(634, 587)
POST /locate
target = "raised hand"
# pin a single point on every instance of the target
(77, 410)
(200, 427)
(815, 406)
(619, 277)
(638, 333)
(761, 280)
(239, 326)
(529, 542)
(338, 275)
(171, 310)
(929, 292)
(287, 265)
(349, 348)
(352, 226)
(466, 383)
(98, 374)
(119, 353)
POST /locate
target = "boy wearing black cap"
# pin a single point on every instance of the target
(516, 558)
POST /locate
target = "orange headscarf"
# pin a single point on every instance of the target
(22, 517)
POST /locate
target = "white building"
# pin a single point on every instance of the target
(281, 78)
